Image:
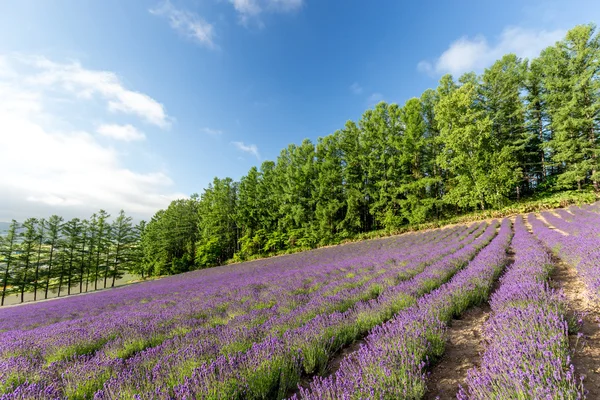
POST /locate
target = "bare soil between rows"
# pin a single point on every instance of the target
(585, 350)
(463, 347)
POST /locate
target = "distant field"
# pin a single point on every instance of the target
(383, 318)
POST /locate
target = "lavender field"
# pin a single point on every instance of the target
(367, 320)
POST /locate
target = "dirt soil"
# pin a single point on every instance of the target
(585, 350)
(463, 347)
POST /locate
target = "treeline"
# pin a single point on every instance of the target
(67, 257)
(477, 142)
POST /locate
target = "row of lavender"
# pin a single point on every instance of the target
(74, 372)
(196, 286)
(392, 363)
(578, 244)
(270, 369)
(527, 343)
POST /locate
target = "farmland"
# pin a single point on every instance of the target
(372, 319)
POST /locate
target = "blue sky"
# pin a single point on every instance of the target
(129, 104)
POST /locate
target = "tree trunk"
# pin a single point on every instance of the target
(106, 269)
(27, 264)
(70, 272)
(49, 272)
(81, 267)
(97, 267)
(37, 267)
(541, 138)
(114, 277)
(594, 157)
(87, 275)
(60, 279)
(5, 281)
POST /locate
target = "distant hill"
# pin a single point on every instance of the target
(4, 227)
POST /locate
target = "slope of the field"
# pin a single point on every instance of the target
(258, 329)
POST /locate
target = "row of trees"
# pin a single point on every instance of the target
(477, 142)
(60, 256)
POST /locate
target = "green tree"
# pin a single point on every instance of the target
(169, 240)
(416, 195)
(124, 237)
(102, 242)
(501, 88)
(8, 252)
(52, 240)
(329, 191)
(41, 232)
(28, 239)
(218, 232)
(357, 217)
(71, 232)
(537, 119)
(482, 171)
(571, 70)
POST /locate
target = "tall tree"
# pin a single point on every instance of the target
(101, 229)
(483, 171)
(28, 238)
(357, 217)
(537, 120)
(7, 251)
(501, 88)
(573, 89)
(329, 190)
(71, 231)
(381, 136)
(85, 241)
(416, 194)
(41, 233)
(217, 226)
(52, 241)
(123, 238)
(170, 238)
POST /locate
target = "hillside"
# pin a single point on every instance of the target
(284, 320)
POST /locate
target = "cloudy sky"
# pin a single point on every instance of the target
(129, 104)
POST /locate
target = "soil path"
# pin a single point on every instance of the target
(586, 350)
(463, 347)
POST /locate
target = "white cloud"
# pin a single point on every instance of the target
(188, 24)
(52, 163)
(86, 84)
(212, 132)
(125, 133)
(247, 148)
(374, 99)
(356, 88)
(285, 5)
(250, 10)
(474, 54)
